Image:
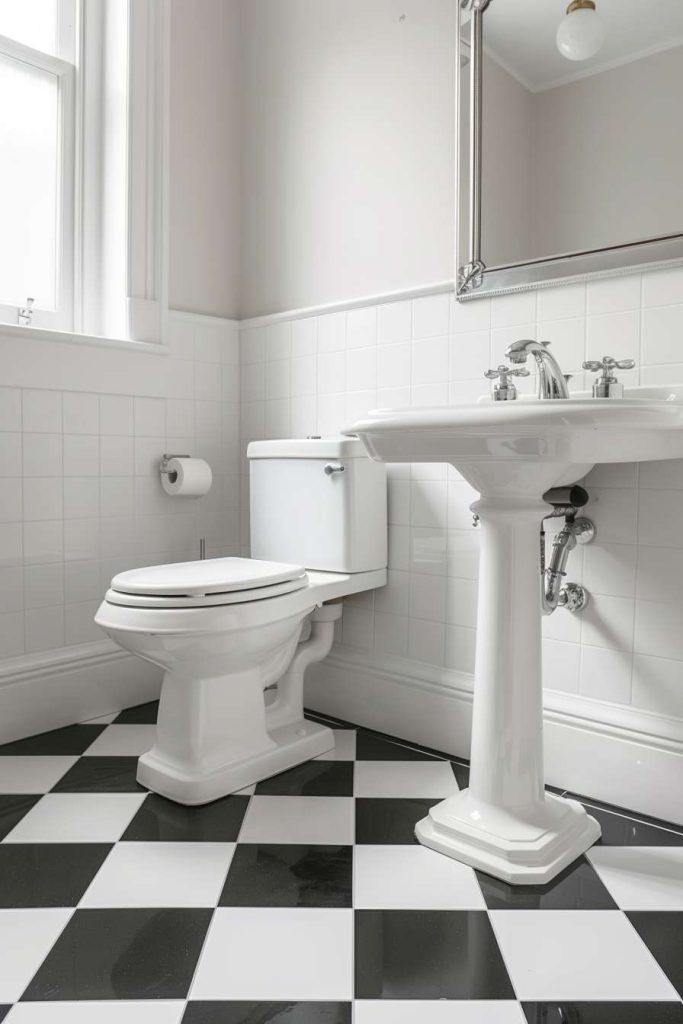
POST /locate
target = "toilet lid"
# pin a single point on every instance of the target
(212, 576)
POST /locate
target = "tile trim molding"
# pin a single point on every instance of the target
(54, 688)
(403, 295)
(620, 755)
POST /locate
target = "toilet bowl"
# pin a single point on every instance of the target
(223, 630)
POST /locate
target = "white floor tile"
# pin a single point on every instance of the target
(161, 875)
(443, 1011)
(344, 746)
(412, 878)
(26, 937)
(147, 1011)
(32, 774)
(407, 779)
(641, 877)
(123, 741)
(77, 818)
(277, 954)
(577, 955)
(299, 819)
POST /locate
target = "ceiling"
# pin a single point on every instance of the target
(520, 35)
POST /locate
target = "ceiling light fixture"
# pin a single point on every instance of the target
(582, 32)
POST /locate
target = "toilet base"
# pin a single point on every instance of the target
(293, 743)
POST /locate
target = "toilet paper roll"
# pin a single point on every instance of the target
(187, 478)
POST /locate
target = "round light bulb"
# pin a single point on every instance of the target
(581, 34)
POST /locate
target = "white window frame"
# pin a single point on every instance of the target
(62, 317)
(80, 230)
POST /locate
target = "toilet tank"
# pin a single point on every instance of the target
(318, 502)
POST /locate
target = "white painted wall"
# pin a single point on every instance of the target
(348, 149)
(205, 174)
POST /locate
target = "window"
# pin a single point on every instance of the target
(83, 86)
(37, 95)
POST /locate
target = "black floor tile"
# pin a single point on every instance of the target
(13, 807)
(662, 933)
(267, 1013)
(101, 775)
(123, 954)
(142, 714)
(47, 874)
(289, 876)
(165, 821)
(462, 774)
(603, 1013)
(4, 1010)
(314, 778)
(382, 820)
(371, 747)
(74, 739)
(578, 887)
(428, 954)
(619, 830)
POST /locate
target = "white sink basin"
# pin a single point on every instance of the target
(512, 452)
(559, 441)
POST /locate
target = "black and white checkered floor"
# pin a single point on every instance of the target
(308, 901)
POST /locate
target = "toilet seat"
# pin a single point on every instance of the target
(210, 583)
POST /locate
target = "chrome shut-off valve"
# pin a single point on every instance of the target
(504, 390)
(607, 385)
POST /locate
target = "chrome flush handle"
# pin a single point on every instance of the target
(505, 390)
(333, 467)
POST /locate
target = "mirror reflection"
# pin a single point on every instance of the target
(581, 143)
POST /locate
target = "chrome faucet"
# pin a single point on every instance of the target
(551, 381)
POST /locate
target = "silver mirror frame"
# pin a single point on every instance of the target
(473, 279)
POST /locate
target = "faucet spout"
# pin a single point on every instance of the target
(551, 381)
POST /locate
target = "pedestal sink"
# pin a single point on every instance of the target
(512, 453)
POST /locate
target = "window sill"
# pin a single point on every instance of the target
(16, 331)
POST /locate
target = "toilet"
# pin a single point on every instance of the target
(225, 630)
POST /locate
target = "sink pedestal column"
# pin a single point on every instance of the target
(505, 824)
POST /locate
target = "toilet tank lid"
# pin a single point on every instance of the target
(308, 448)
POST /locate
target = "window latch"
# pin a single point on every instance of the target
(26, 313)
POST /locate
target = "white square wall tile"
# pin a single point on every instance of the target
(605, 674)
(404, 779)
(641, 877)
(394, 322)
(294, 819)
(11, 455)
(77, 818)
(44, 628)
(577, 955)
(10, 409)
(32, 774)
(431, 316)
(116, 415)
(277, 954)
(662, 287)
(161, 875)
(81, 413)
(81, 455)
(662, 327)
(42, 455)
(42, 411)
(412, 878)
(361, 327)
(26, 937)
(43, 542)
(613, 294)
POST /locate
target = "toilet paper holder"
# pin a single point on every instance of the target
(166, 458)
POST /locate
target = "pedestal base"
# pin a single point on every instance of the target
(291, 745)
(528, 848)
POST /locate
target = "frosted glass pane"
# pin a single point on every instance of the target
(33, 22)
(29, 105)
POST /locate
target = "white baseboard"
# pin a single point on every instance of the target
(623, 756)
(46, 691)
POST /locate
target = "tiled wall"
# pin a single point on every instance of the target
(315, 374)
(80, 494)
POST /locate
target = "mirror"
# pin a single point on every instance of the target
(570, 153)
